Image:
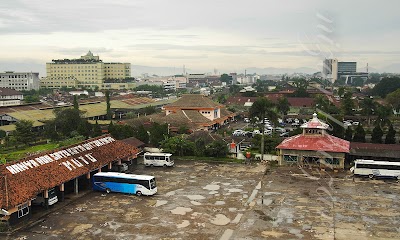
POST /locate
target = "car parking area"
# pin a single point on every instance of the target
(233, 201)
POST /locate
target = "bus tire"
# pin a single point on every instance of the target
(371, 176)
(165, 165)
(138, 193)
(398, 177)
(108, 190)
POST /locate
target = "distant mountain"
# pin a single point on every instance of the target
(392, 68)
(272, 70)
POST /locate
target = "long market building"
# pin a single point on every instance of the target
(21, 181)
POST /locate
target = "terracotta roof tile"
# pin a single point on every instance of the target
(46, 170)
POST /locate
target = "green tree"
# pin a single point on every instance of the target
(225, 78)
(178, 145)
(216, 149)
(263, 108)
(66, 121)
(3, 134)
(377, 134)
(391, 135)
(141, 134)
(386, 86)
(301, 85)
(383, 113)
(23, 132)
(108, 111)
(97, 130)
(234, 89)
(368, 108)
(347, 104)
(341, 91)
(199, 147)
(348, 135)
(393, 99)
(85, 128)
(158, 132)
(76, 104)
(110, 127)
(359, 135)
(283, 106)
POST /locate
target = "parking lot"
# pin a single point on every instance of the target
(233, 201)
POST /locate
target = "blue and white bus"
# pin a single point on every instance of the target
(124, 183)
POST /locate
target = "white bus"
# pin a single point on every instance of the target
(373, 168)
(158, 159)
(124, 183)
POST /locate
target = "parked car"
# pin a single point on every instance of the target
(246, 120)
(356, 123)
(284, 134)
(238, 132)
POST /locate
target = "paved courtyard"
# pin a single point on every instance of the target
(232, 201)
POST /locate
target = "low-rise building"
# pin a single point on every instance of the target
(20, 80)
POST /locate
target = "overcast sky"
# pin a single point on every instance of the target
(229, 35)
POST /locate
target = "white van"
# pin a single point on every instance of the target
(158, 159)
(39, 200)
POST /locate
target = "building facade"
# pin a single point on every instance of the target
(19, 80)
(88, 72)
(330, 69)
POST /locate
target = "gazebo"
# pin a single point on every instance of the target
(314, 147)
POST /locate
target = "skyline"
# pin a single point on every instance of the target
(226, 35)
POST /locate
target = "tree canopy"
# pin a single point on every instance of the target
(386, 86)
(393, 99)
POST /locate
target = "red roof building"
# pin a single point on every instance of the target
(314, 147)
(22, 180)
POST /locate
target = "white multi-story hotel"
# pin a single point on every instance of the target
(19, 80)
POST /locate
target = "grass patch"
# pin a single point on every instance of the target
(19, 154)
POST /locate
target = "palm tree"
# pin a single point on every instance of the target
(263, 108)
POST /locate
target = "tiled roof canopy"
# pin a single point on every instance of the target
(323, 143)
(22, 180)
(193, 101)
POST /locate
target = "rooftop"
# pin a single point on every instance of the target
(193, 101)
(321, 143)
(25, 178)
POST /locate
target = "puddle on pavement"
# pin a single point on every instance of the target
(213, 192)
(181, 210)
(212, 187)
(184, 224)
(234, 190)
(195, 197)
(219, 203)
(160, 203)
(220, 220)
(195, 203)
(170, 193)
